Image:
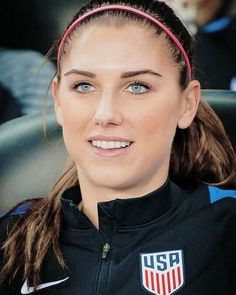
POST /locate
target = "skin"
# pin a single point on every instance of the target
(109, 109)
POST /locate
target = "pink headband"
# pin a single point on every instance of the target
(135, 11)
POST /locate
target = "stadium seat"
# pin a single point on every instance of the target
(31, 160)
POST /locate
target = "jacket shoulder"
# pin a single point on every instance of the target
(217, 194)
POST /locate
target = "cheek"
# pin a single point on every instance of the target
(76, 120)
(74, 114)
(160, 120)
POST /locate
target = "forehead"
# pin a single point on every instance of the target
(107, 46)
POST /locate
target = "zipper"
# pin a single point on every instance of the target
(105, 250)
(103, 271)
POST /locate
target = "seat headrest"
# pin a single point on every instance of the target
(30, 159)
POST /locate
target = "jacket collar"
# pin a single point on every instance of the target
(131, 212)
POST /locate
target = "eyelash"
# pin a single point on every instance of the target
(79, 83)
(141, 83)
(136, 82)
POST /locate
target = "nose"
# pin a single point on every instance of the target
(108, 111)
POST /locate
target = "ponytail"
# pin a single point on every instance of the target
(203, 153)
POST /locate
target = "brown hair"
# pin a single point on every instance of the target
(201, 153)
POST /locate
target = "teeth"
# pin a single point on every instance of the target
(110, 144)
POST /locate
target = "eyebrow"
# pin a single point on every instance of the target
(124, 75)
(80, 72)
(141, 72)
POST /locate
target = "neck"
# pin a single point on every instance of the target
(93, 194)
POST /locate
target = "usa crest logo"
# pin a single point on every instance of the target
(162, 272)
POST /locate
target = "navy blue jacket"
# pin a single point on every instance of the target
(167, 242)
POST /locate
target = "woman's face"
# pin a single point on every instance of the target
(119, 104)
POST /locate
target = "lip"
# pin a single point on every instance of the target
(110, 153)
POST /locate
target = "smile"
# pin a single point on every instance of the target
(110, 144)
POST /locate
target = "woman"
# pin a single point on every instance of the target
(134, 212)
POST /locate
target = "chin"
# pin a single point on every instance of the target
(114, 182)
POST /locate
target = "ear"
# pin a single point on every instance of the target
(57, 104)
(189, 104)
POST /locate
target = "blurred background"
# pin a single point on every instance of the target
(29, 28)
(36, 24)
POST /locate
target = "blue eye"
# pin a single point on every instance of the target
(83, 87)
(138, 88)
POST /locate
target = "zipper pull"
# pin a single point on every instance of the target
(105, 250)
